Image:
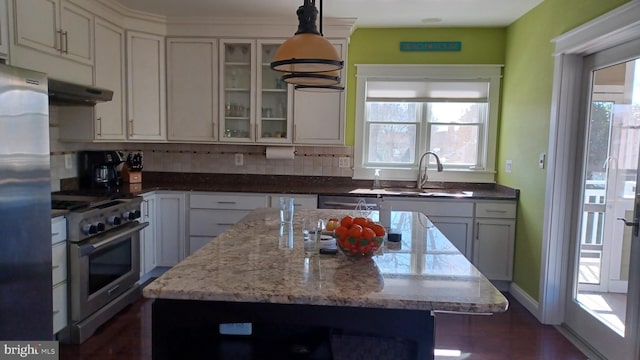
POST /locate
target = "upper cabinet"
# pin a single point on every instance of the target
(257, 103)
(4, 29)
(274, 98)
(109, 73)
(55, 26)
(146, 86)
(237, 89)
(192, 89)
(319, 117)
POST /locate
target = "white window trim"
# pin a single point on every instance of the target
(492, 73)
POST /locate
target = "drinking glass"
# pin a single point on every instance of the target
(311, 230)
(286, 209)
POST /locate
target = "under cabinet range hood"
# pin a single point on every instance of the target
(66, 93)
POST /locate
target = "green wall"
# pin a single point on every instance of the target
(526, 50)
(382, 46)
(524, 122)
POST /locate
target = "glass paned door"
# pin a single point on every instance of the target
(237, 79)
(604, 291)
(273, 98)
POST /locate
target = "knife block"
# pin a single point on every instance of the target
(129, 176)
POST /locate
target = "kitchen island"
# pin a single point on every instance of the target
(256, 273)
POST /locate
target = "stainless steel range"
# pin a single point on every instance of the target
(103, 259)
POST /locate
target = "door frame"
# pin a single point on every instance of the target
(611, 29)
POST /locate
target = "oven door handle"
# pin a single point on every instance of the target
(121, 233)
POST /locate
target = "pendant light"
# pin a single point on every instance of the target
(307, 58)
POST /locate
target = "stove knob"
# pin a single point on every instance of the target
(89, 229)
(100, 226)
(114, 220)
(137, 214)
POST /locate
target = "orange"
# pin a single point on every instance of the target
(368, 234)
(378, 229)
(355, 231)
(360, 221)
(341, 231)
(347, 221)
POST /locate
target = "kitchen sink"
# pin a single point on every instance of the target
(415, 192)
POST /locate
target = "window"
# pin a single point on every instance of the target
(405, 110)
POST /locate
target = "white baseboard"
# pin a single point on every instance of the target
(525, 300)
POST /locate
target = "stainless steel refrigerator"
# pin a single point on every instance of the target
(25, 206)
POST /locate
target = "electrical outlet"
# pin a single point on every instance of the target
(344, 162)
(239, 159)
(68, 161)
(508, 166)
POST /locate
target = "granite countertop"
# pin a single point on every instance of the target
(246, 263)
(324, 185)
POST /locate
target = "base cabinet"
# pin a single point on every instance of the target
(59, 272)
(212, 213)
(453, 218)
(147, 235)
(170, 231)
(495, 239)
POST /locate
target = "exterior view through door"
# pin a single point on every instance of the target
(602, 253)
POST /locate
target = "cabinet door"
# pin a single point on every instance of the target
(493, 248)
(146, 86)
(109, 73)
(37, 24)
(237, 90)
(59, 306)
(459, 231)
(192, 87)
(4, 29)
(147, 235)
(170, 228)
(77, 33)
(319, 117)
(274, 101)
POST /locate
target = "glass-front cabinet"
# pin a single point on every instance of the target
(273, 98)
(237, 93)
(256, 103)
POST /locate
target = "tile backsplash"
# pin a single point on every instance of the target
(201, 158)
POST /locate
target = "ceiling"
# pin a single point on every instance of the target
(368, 13)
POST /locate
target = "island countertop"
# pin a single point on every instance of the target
(252, 262)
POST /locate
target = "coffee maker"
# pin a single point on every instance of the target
(99, 169)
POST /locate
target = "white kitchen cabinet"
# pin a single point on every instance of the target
(257, 104)
(170, 231)
(300, 201)
(319, 117)
(212, 213)
(495, 239)
(148, 234)
(4, 29)
(453, 218)
(274, 98)
(109, 73)
(56, 27)
(146, 105)
(192, 89)
(59, 272)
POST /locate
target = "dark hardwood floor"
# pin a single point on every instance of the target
(515, 334)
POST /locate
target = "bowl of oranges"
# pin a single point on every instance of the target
(358, 237)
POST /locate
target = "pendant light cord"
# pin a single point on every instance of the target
(321, 33)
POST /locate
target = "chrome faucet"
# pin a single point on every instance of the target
(422, 176)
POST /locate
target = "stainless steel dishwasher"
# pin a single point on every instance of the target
(348, 202)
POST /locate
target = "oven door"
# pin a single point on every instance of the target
(103, 267)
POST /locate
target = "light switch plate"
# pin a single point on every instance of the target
(68, 161)
(239, 159)
(508, 166)
(343, 162)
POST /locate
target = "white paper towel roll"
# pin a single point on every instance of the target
(280, 152)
